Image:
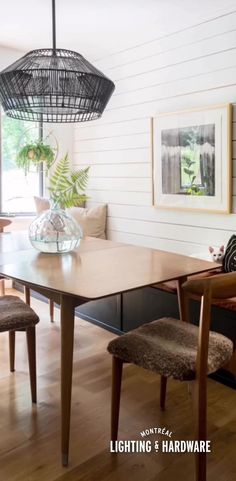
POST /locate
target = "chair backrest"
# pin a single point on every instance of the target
(222, 286)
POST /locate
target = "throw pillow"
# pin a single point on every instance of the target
(41, 204)
(92, 221)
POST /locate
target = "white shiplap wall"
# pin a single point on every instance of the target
(195, 67)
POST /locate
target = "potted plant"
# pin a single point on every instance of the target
(35, 153)
(55, 230)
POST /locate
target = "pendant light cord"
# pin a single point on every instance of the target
(54, 25)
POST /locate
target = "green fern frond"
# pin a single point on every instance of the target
(66, 187)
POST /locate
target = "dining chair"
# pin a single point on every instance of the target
(4, 223)
(178, 349)
(15, 315)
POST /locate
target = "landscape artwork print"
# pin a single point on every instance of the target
(189, 153)
(191, 159)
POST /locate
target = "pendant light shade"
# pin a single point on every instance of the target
(54, 85)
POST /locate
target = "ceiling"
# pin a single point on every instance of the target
(96, 28)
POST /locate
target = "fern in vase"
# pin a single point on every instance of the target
(66, 186)
(56, 231)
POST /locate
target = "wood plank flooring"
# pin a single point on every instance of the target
(30, 436)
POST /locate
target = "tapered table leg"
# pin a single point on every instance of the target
(27, 295)
(51, 310)
(182, 300)
(67, 345)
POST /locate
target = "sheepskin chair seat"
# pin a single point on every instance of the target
(169, 347)
(15, 314)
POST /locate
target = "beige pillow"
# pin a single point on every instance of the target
(92, 221)
(41, 204)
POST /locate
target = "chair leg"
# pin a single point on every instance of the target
(117, 367)
(51, 310)
(2, 287)
(30, 335)
(12, 350)
(163, 392)
(199, 399)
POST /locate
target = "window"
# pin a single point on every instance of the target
(17, 189)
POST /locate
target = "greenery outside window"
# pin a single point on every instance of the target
(17, 189)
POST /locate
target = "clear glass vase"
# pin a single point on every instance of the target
(55, 231)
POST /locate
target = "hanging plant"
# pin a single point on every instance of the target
(66, 186)
(34, 154)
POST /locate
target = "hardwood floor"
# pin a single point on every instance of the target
(30, 436)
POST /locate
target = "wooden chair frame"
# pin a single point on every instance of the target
(222, 286)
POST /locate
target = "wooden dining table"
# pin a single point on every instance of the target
(97, 269)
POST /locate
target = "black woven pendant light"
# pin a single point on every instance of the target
(54, 85)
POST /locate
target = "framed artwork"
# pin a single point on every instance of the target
(192, 159)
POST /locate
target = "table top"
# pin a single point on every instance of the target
(98, 268)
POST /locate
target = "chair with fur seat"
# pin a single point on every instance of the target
(16, 315)
(178, 349)
(4, 222)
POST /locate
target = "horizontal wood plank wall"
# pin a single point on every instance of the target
(192, 68)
